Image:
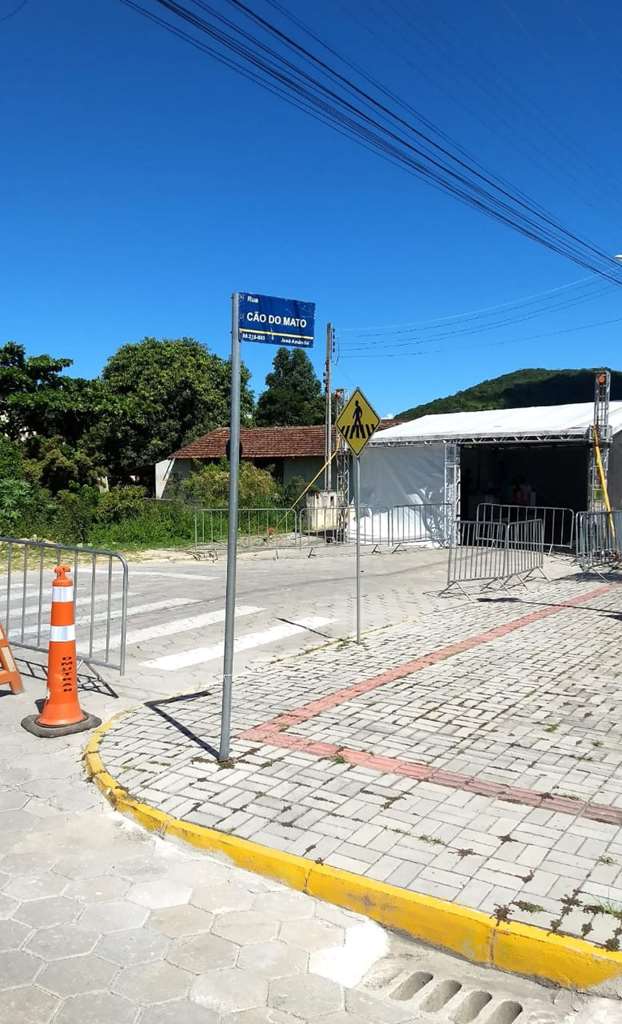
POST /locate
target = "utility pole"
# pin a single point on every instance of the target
(328, 420)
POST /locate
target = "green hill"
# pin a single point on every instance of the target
(518, 390)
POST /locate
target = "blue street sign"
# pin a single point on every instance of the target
(274, 321)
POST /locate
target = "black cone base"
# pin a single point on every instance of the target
(31, 724)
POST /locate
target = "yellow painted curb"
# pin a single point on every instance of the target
(478, 937)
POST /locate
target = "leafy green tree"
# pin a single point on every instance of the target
(293, 395)
(57, 465)
(160, 395)
(37, 399)
(11, 460)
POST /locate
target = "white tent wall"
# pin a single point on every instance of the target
(397, 476)
(614, 475)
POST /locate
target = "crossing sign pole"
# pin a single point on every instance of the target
(357, 422)
(358, 549)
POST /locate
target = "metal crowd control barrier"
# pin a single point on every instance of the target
(257, 528)
(493, 552)
(100, 581)
(420, 524)
(599, 540)
(336, 524)
(558, 523)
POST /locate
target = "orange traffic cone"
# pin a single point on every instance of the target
(61, 712)
(9, 676)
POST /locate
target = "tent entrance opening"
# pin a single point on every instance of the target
(525, 474)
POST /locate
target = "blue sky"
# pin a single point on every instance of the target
(141, 183)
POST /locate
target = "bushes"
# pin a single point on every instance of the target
(125, 517)
(26, 510)
(209, 487)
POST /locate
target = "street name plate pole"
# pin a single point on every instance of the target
(232, 536)
(358, 549)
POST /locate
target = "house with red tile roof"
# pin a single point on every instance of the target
(287, 451)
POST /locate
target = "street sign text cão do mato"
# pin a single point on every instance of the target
(274, 321)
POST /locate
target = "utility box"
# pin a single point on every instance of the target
(325, 511)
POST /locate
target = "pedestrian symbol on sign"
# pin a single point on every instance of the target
(357, 422)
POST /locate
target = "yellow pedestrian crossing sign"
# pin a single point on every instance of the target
(357, 422)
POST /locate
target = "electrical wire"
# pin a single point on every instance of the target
(586, 291)
(385, 353)
(373, 124)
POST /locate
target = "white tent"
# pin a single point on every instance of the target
(419, 462)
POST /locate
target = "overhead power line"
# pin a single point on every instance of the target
(387, 353)
(298, 75)
(586, 289)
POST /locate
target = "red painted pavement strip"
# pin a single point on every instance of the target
(332, 700)
(272, 732)
(452, 780)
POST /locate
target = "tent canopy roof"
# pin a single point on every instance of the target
(538, 423)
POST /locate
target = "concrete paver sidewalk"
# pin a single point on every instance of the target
(102, 923)
(473, 755)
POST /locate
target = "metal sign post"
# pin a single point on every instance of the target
(270, 321)
(232, 536)
(357, 423)
(358, 549)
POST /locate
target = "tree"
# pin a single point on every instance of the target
(293, 395)
(162, 395)
(37, 399)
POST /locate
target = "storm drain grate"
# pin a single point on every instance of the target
(433, 987)
(432, 994)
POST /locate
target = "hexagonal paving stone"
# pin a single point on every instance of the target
(273, 959)
(306, 996)
(284, 906)
(46, 912)
(16, 821)
(134, 946)
(77, 866)
(96, 1008)
(312, 935)
(163, 892)
(92, 890)
(28, 862)
(8, 906)
(139, 868)
(28, 1005)
(179, 921)
(152, 983)
(78, 974)
(114, 916)
(201, 871)
(12, 934)
(179, 1012)
(12, 799)
(221, 898)
(199, 953)
(18, 968)
(245, 927)
(229, 990)
(366, 1006)
(35, 887)
(263, 1015)
(61, 941)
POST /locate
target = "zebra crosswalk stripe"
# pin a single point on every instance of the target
(199, 655)
(164, 630)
